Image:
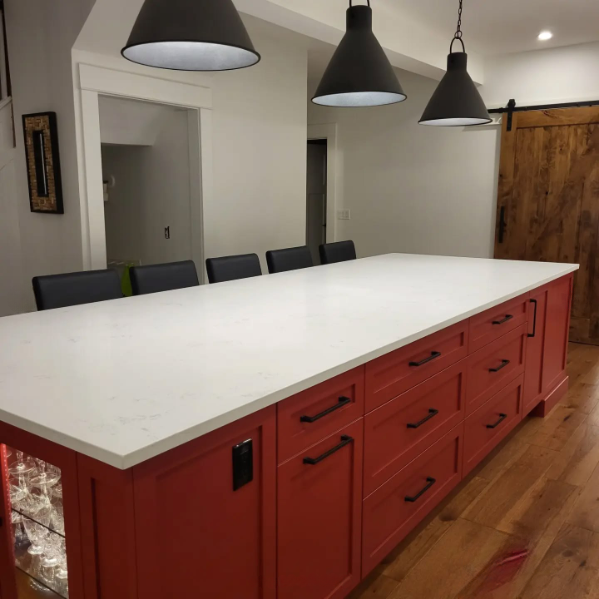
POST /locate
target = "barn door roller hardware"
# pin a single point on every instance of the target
(511, 108)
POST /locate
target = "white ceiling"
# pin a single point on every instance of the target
(504, 26)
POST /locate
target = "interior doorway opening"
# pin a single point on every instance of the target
(316, 196)
(150, 200)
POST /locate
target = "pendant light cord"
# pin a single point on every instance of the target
(458, 34)
(351, 5)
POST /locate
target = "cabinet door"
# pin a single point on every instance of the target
(198, 536)
(535, 347)
(556, 331)
(319, 518)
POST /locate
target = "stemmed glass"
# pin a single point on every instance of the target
(45, 478)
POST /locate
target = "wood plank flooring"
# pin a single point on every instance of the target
(524, 524)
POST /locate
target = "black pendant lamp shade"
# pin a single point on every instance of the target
(456, 101)
(359, 73)
(190, 35)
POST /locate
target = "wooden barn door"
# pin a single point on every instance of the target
(548, 202)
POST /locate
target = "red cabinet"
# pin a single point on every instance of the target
(491, 423)
(495, 365)
(392, 511)
(403, 428)
(196, 535)
(547, 345)
(308, 417)
(319, 518)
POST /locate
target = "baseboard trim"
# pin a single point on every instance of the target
(553, 397)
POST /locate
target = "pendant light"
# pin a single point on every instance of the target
(359, 73)
(190, 35)
(456, 101)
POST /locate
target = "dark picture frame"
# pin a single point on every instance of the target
(43, 162)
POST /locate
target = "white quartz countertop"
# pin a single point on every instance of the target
(125, 380)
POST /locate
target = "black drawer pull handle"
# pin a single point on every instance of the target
(434, 355)
(431, 414)
(502, 417)
(534, 322)
(504, 363)
(345, 440)
(343, 401)
(507, 317)
(429, 483)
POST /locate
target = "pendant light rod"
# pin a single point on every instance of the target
(458, 36)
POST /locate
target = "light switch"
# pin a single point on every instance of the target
(344, 215)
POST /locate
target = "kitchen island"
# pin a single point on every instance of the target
(277, 436)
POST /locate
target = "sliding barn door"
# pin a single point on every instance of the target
(548, 202)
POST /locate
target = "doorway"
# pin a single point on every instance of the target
(316, 196)
(548, 203)
(146, 172)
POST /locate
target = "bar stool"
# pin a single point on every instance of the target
(163, 277)
(289, 259)
(76, 288)
(341, 251)
(233, 268)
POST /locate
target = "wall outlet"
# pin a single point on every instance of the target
(344, 215)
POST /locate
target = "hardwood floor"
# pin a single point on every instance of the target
(524, 524)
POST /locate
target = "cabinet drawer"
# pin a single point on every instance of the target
(493, 323)
(493, 366)
(403, 428)
(319, 519)
(491, 423)
(392, 511)
(310, 416)
(394, 373)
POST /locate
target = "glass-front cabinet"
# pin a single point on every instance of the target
(38, 531)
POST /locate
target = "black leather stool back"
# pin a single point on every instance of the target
(73, 289)
(163, 277)
(289, 259)
(341, 251)
(232, 268)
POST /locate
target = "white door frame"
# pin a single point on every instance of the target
(329, 132)
(95, 81)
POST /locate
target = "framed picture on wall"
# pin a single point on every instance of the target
(43, 162)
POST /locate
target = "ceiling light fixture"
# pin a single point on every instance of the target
(545, 35)
(184, 35)
(359, 73)
(456, 101)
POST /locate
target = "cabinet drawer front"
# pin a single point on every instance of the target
(403, 428)
(400, 504)
(493, 323)
(394, 373)
(310, 416)
(492, 367)
(319, 518)
(491, 423)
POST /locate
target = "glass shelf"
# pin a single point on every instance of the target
(38, 527)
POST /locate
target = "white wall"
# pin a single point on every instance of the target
(151, 192)
(555, 75)
(412, 188)
(40, 37)
(258, 139)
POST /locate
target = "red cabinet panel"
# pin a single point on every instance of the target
(496, 322)
(491, 423)
(396, 508)
(196, 535)
(556, 331)
(394, 373)
(403, 428)
(316, 413)
(535, 350)
(492, 367)
(319, 518)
